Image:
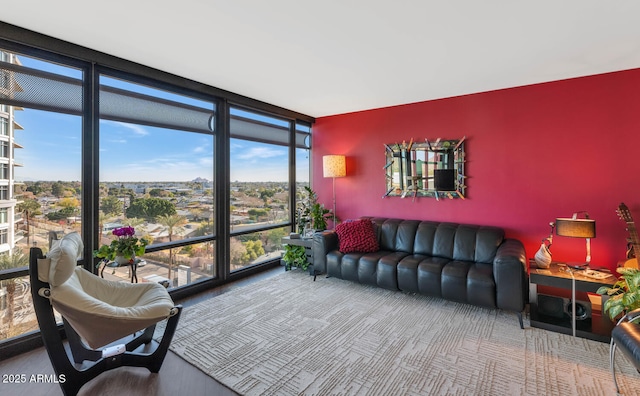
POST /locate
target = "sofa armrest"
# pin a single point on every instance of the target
(323, 243)
(510, 272)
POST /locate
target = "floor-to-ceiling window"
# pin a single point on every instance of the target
(40, 171)
(303, 162)
(207, 176)
(157, 175)
(259, 193)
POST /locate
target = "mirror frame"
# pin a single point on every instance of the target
(430, 169)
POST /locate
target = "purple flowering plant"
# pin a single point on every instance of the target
(126, 244)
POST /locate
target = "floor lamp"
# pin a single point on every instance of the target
(334, 166)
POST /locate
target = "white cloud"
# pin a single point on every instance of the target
(137, 130)
(261, 153)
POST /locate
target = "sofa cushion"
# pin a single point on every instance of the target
(357, 236)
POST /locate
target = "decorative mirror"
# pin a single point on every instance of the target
(429, 169)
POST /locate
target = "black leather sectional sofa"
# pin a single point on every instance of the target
(465, 263)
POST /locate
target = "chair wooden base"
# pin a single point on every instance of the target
(70, 377)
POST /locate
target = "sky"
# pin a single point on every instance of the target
(133, 152)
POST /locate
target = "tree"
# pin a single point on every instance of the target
(237, 251)
(69, 203)
(157, 192)
(197, 213)
(29, 207)
(120, 191)
(111, 205)
(69, 208)
(173, 223)
(61, 214)
(36, 188)
(204, 228)
(151, 208)
(102, 218)
(257, 213)
(254, 250)
(274, 237)
(8, 261)
(265, 194)
(57, 189)
(132, 222)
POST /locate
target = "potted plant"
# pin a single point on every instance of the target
(310, 213)
(295, 256)
(126, 246)
(624, 295)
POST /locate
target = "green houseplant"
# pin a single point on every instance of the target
(624, 295)
(295, 256)
(310, 213)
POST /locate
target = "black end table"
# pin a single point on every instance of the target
(307, 243)
(553, 310)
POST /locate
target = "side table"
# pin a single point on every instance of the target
(307, 243)
(133, 268)
(555, 309)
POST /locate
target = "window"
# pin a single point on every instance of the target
(5, 75)
(156, 173)
(50, 168)
(303, 158)
(259, 196)
(4, 126)
(5, 79)
(154, 139)
(4, 149)
(256, 247)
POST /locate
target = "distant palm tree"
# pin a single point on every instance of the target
(29, 207)
(102, 218)
(173, 223)
(133, 221)
(8, 261)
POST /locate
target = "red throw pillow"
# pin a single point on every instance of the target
(357, 236)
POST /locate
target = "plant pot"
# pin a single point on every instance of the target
(121, 260)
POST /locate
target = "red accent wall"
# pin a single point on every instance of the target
(534, 153)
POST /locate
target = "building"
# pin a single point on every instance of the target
(10, 217)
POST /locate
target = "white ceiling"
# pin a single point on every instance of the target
(336, 56)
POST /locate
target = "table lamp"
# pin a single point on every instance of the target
(334, 166)
(578, 228)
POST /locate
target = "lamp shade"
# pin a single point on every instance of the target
(576, 228)
(334, 166)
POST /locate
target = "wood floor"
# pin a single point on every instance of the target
(176, 377)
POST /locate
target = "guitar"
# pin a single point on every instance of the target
(625, 215)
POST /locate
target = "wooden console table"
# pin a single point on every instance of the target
(556, 313)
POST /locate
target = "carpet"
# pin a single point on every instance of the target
(288, 335)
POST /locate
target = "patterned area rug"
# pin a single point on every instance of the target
(288, 335)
